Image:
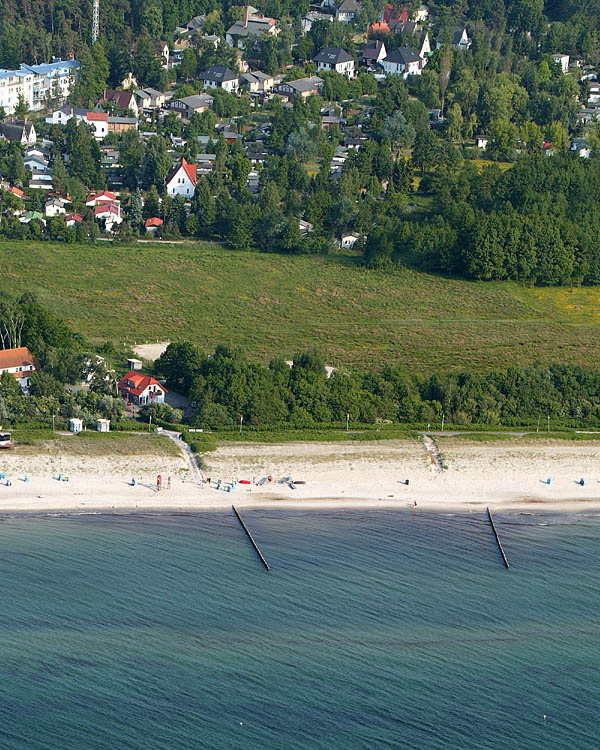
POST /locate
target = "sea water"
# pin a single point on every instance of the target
(380, 629)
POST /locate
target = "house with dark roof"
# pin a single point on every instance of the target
(337, 59)
(257, 82)
(141, 389)
(302, 87)
(458, 37)
(403, 61)
(347, 11)
(190, 104)
(20, 131)
(251, 26)
(182, 179)
(220, 76)
(374, 52)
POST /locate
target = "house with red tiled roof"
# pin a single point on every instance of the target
(182, 179)
(21, 363)
(153, 224)
(123, 100)
(140, 389)
(109, 215)
(104, 196)
(73, 219)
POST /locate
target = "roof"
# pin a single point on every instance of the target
(219, 73)
(153, 222)
(16, 191)
(13, 129)
(196, 101)
(403, 55)
(304, 84)
(136, 383)
(73, 217)
(106, 208)
(104, 195)
(349, 6)
(96, 116)
(123, 99)
(190, 170)
(333, 56)
(254, 27)
(373, 48)
(20, 357)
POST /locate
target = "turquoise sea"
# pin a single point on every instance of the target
(380, 629)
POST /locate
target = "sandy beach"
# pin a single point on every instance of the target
(504, 475)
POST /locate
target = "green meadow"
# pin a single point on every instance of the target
(276, 305)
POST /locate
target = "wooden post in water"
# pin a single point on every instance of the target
(497, 538)
(254, 544)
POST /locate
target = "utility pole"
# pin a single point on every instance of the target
(548, 423)
(95, 21)
(443, 417)
(150, 424)
(241, 420)
(347, 422)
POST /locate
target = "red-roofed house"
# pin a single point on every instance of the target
(397, 13)
(153, 224)
(105, 196)
(123, 100)
(141, 389)
(108, 214)
(99, 121)
(16, 191)
(73, 219)
(182, 179)
(21, 363)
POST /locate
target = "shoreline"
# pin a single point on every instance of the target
(343, 476)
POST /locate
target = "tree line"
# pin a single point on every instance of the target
(228, 389)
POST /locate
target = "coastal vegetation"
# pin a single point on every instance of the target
(272, 304)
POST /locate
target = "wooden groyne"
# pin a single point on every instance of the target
(497, 538)
(250, 537)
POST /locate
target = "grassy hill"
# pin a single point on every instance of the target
(271, 304)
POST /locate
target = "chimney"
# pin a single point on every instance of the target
(246, 15)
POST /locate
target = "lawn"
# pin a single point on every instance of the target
(276, 305)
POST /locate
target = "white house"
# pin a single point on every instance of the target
(374, 52)
(337, 59)
(75, 424)
(104, 196)
(190, 104)
(182, 179)
(54, 207)
(15, 85)
(459, 38)
(421, 14)
(347, 11)
(349, 239)
(581, 146)
(253, 25)
(563, 61)
(164, 54)
(20, 131)
(141, 389)
(21, 363)
(109, 214)
(220, 76)
(103, 425)
(482, 141)
(403, 61)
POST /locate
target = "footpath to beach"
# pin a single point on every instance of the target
(503, 475)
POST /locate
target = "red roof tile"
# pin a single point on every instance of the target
(153, 222)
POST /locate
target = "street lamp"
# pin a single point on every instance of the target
(347, 422)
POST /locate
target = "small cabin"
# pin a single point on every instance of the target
(6, 440)
(103, 425)
(75, 425)
(134, 364)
